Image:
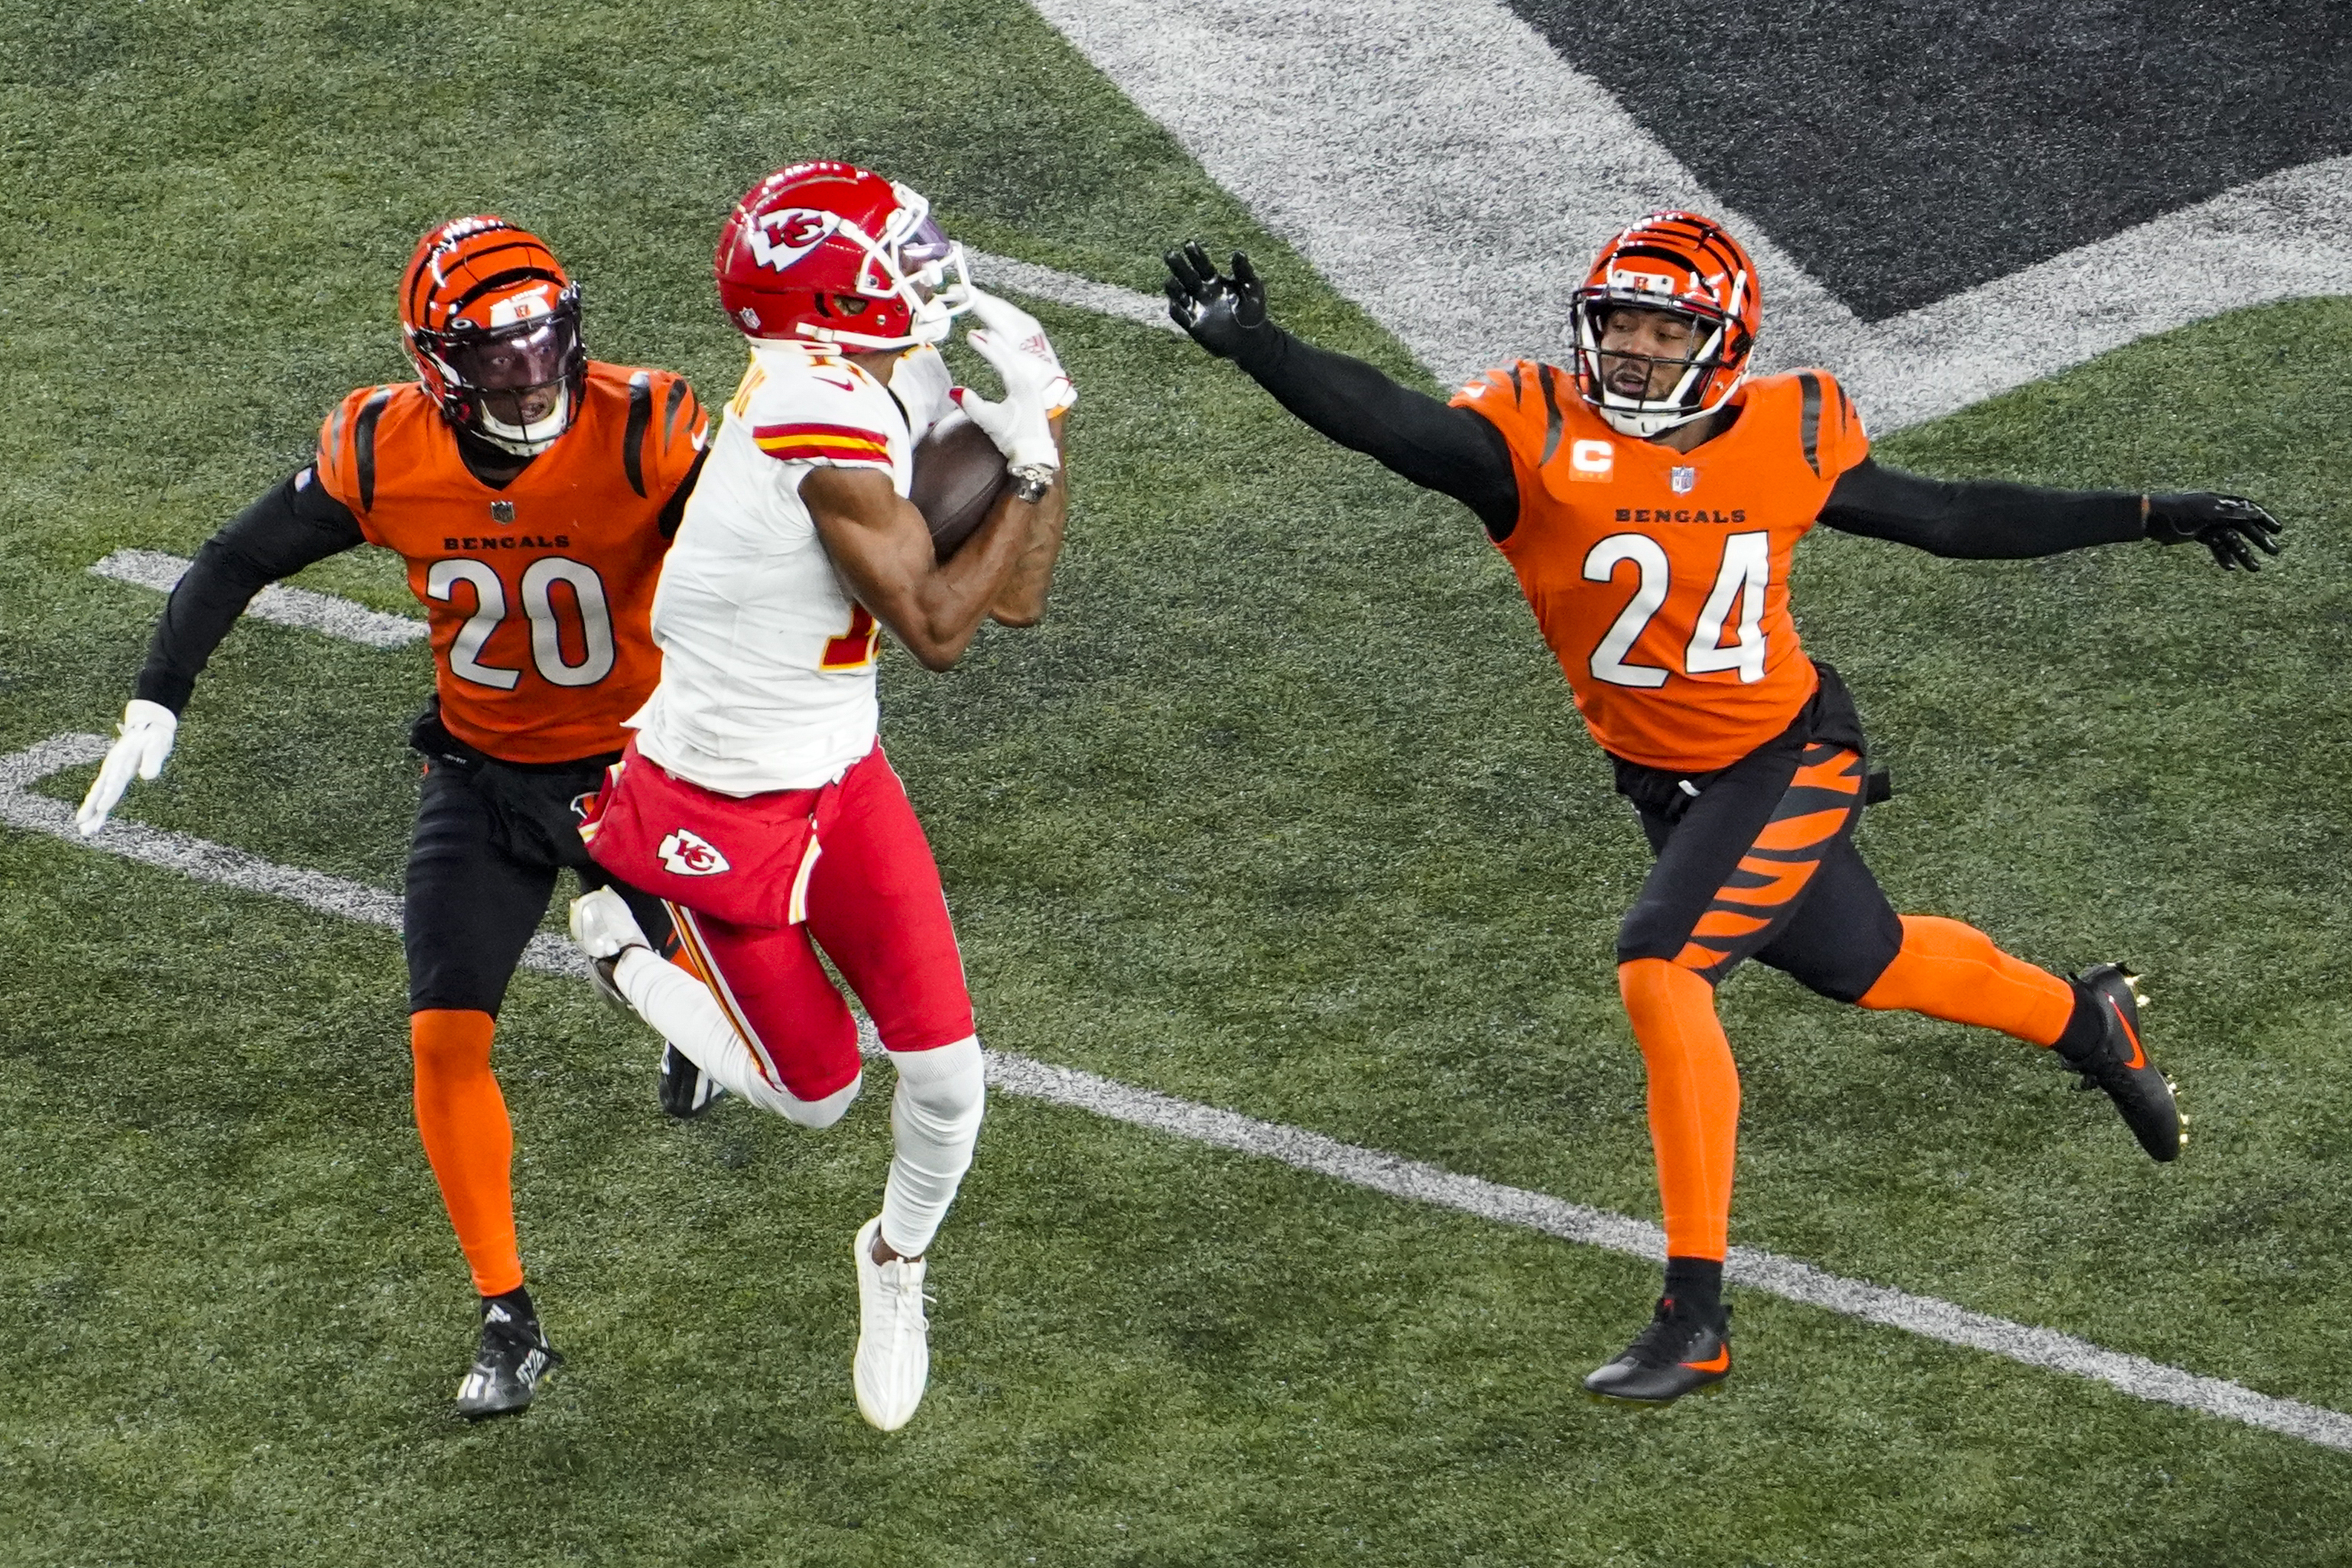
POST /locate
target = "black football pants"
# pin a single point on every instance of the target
(1758, 861)
(481, 867)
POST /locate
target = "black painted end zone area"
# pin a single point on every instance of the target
(1903, 153)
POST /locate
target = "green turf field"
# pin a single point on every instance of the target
(1285, 809)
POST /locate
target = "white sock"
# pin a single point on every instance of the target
(690, 1019)
(934, 1123)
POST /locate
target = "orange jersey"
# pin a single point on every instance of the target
(1661, 578)
(539, 595)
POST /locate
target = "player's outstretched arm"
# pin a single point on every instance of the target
(291, 525)
(1453, 451)
(1990, 520)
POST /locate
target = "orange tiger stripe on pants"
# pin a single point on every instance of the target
(1771, 836)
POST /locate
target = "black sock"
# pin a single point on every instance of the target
(517, 1302)
(2085, 1026)
(1695, 1286)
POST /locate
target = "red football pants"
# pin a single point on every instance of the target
(878, 910)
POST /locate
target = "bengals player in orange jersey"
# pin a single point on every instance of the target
(533, 492)
(1650, 497)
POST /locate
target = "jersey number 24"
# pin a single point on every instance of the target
(1738, 584)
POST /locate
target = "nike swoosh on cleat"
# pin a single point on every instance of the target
(1721, 1362)
(2138, 1057)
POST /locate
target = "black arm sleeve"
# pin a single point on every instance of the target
(1978, 520)
(1449, 450)
(291, 527)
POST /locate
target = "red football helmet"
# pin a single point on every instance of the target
(494, 327)
(1684, 265)
(831, 253)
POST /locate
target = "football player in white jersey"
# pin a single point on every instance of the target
(755, 797)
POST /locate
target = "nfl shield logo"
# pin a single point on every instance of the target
(503, 511)
(1686, 480)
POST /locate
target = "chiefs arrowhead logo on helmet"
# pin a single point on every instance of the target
(830, 252)
(1681, 265)
(780, 239)
(688, 853)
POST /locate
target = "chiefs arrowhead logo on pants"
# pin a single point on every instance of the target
(689, 855)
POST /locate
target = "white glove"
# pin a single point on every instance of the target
(148, 729)
(1008, 323)
(1018, 424)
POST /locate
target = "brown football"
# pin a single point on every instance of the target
(959, 474)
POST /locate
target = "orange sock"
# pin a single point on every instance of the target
(1948, 970)
(468, 1140)
(1694, 1101)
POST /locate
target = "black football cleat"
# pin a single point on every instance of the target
(2119, 1063)
(1679, 1353)
(511, 1361)
(686, 1092)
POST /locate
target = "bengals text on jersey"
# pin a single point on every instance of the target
(539, 593)
(1661, 578)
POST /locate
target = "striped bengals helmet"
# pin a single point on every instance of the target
(1686, 265)
(493, 324)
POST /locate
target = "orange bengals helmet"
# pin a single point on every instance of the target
(491, 320)
(831, 253)
(1684, 265)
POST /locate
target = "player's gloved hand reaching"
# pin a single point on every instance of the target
(148, 729)
(1225, 315)
(1019, 426)
(2232, 527)
(1008, 323)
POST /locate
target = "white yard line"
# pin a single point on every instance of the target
(208, 861)
(1444, 168)
(1068, 288)
(1370, 1169)
(321, 612)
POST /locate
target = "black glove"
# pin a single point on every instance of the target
(1225, 315)
(2232, 527)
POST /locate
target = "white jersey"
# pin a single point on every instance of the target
(767, 677)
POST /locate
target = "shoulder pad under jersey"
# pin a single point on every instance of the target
(807, 408)
(1526, 401)
(351, 444)
(1829, 427)
(661, 429)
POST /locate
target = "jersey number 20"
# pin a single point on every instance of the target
(595, 634)
(1746, 569)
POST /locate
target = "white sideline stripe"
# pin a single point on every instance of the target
(1444, 168)
(1295, 1147)
(1068, 288)
(326, 613)
(1784, 1277)
(208, 861)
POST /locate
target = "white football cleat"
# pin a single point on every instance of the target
(603, 929)
(894, 1344)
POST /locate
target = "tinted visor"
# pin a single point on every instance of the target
(927, 246)
(529, 354)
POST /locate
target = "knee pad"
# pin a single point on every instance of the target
(814, 1114)
(945, 1087)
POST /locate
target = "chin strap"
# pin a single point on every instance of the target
(1646, 426)
(516, 440)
